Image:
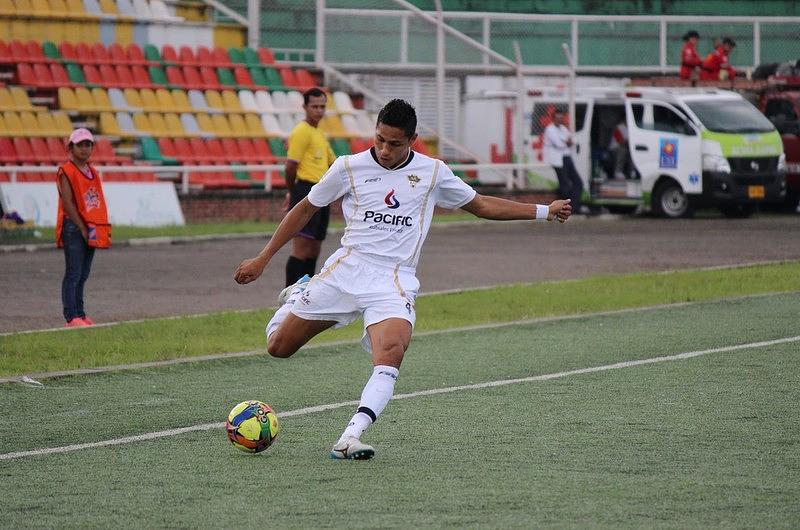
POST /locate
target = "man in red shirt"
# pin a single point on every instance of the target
(716, 66)
(690, 59)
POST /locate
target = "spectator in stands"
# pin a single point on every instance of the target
(82, 223)
(618, 147)
(557, 150)
(690, 59)
(308, 158)
(716, 66)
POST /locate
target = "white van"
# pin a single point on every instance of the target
(686, 147)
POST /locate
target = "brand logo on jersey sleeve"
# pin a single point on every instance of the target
(391, 201)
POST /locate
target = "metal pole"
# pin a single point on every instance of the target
(439, 70)
(253, 23)
(519, 137)
(662, 45)
(487, 37)
(571, 63)
(184, 182)
(403, 39)
(319, 57)
(756, 43)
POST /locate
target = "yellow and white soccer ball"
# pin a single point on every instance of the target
(252, 426)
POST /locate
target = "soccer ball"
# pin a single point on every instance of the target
(252, 426)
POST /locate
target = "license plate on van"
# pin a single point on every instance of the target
(755, 192)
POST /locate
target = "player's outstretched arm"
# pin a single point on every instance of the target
(250, 269)
(488, 207)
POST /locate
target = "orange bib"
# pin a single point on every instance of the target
(91, 204)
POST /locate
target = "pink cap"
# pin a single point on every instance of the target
(79, 135)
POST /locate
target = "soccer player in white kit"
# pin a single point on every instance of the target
(388, 195)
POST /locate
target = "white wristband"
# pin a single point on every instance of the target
(542, 211)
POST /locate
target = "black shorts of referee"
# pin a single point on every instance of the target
(317, 227)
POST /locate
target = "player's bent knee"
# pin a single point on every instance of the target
(278, 347)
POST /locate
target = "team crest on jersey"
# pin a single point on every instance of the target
(91, 199)
(391, 201)
(413, 180)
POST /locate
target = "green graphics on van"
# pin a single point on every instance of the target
(747, 145)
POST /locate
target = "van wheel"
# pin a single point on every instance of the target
(737, 211)
(669, 200)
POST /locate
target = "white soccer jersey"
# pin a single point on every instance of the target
(388, 211)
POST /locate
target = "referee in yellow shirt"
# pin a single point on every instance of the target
(308, 158)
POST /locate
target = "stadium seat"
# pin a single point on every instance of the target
(205, 124)
(24, 151)
(104, 152)
(135, 55)
(26, 76)
(214, 101)
(141, 125)
(35, 52)
(100, 54)
(167, 149)
(6, 100)
(200, 152)
(184, 57)
(365, 124)
(247, 151)
(209, 79)
(343, 102)
(84, 99)
(288, 77)
(5, 54)
(247, 101)
(181, 101)
(109, 7)
(149, 101)
(340, 146)
(57, 149)
(250, 56)
(274, 80)
(238, 127)
(222, 127)
(59, 75)
(118, 100)
(13, 124)
(101, 100)
(305, 80)
(92, 76)
(84, 53)
(279, 101)
(158, 124)
(44, 77)
(170, 57)
(294, 101)
(152, 153)
(183, 151)
(18, 52)
(287, 122)
(67, 100)
(117, 55)
(192, 79)
(242, 77)
(277, 146)
(75, 74)
(21, 100)
(236, 56)
(271, 125)
(125, 124)
(68, 52)
(198, 101)
(157, 76)
(230, 101)
(254, 127)
(151, 54)
(258, 77)
(51, 51)
(358, 145)
(174, 126)
(351, 125)
(109, 125)
(265, 56)
(142, 9)
(226, 78)
(264, 101)
(7, 153)
(160, 11)
(133, 99)
(189, 124)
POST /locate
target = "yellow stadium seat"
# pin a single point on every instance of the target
(89, 31)
(109, 7)
(159, 126)
(3, 130)
(24, 7)
(41, 8)
(181, 101)
(109, 125)
(85, 101)
(75, 7)
(59, 8)
(6, 100)
(67, 99)
(63, 125)
(53, 30)
(230, 101)
(133, 98)
(164, 99)
(254, 127)
(47, 125)
(149, 100)
(331, 105)
(332, 125)
(174, 127)
(205, 124)
(214, 100)
(21, 99)
(24, 123)
(124, 32)
(238, 127)
(142, 123)
(7, 7)
(101, 100)
(221, 126)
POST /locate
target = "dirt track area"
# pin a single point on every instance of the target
(163, 280)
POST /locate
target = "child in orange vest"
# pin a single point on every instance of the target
(82, 223)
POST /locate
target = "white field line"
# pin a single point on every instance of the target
(492, 325)
(62, 329)
(431, 392)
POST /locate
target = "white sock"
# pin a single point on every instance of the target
(377, 393)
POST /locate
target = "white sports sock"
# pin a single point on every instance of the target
(377, 393)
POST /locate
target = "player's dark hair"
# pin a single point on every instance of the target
(312, 93)
(729, 41)
(400, 114)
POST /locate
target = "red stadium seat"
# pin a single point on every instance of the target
(242, 77)
(108, 77)
(104, 153)
(288, 77)
(420, 147)
(186, 56)
(35, 52)
(125, 76)
(217, 150)
(221, 57)
(232, 152)
(92, 75)
(18, 52)
(140, 76)
(168, 55)
(24, 151)
(25, 75)
(8, 154)
(176, 78)
(84, 53)
(305, 80)
(262, 149)
(100, 54)
(167, 148)
(57, 149)
(5, 54)
(44, 77)
(200, 151)
(68, 53)
(41, 152)
(265, 56)
(209, 78)
(135, 55)
(60, 77)
(117, 55)
(183, 151)
(247, 151)
(358, 145)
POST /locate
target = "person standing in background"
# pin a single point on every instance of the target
(690, 59)
(558, 153)
(308, 158)
(82, 223)
(716, 65)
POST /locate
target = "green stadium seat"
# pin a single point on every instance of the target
(274, 81)
(157, 76)
(340, 146)
(75, 74)
(151, 53)
(150, 151)
(237, 56)
(257, 74)
(277, 146)
(251, 57)
(51, 51)
(226, 77)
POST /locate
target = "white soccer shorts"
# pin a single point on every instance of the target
(348, 287)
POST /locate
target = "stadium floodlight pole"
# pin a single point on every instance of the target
(571, 62)
(440, 58)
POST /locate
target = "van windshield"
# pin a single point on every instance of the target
(730, 116)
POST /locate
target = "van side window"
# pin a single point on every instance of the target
(543, 115)
(638, 115)
(664, 119)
